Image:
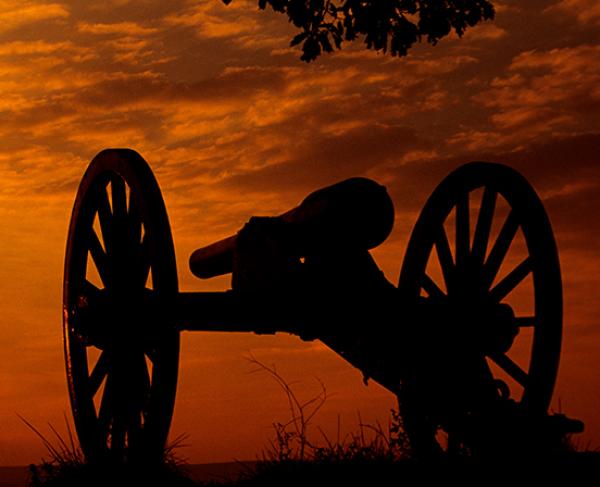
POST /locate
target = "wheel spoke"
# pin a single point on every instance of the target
(145, 376)
(123, 393)
(139, 381)
(119, 197)
(99, 373)
(106, 408)
(134, 385)
(134, 430)
(462, 230)
(525, 321)
(445, 258)
(105, 218)
(143, 390)
(511, 368)
(134, 222)
(144, 261)
(431, 288)
(511, 281)
(117, 432)
(89, 290)
(100, 258)
(484, 225)
(152, 354)
(500, 249)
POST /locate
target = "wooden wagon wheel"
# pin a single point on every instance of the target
(120, 279)
(469, 267)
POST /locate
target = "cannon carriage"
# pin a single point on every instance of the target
(309, 272)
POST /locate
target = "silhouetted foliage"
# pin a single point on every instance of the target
(387, 25)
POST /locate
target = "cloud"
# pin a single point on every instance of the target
(502, 7)
(130, 89)
(214, 20)
(439, 66)
(35, 48)
(33, 174)
(112, 4)
(122, 28)
(314, 159)
(545, 92)
(15, 14)
(585, 11)
(561, 167)
(241, 24)
(243, 115)
(485, 32)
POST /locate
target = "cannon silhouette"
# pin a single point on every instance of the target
(439, 340)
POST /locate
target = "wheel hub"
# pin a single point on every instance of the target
(490, 329)
(465, 326)
(110, 320)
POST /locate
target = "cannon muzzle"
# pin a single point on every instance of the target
(354, 214)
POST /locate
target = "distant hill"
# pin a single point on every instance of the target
(207, 472)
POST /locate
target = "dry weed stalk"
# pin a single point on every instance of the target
(292, 443)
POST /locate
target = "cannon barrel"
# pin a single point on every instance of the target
(354, 214)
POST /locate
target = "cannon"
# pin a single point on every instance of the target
(440, 340)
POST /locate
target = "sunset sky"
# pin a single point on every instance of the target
(233, 124)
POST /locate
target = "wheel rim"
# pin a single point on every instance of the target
(470, 264)
(121, 349)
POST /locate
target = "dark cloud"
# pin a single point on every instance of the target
(321, 158)
(586, 12)
(231, 85)
(553, 166)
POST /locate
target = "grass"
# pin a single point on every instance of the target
(65, 465)
(374, 455)
(381, 456)
(292, 442)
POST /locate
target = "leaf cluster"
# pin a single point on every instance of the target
(385, 25)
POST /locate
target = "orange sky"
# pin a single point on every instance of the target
(233, 124)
